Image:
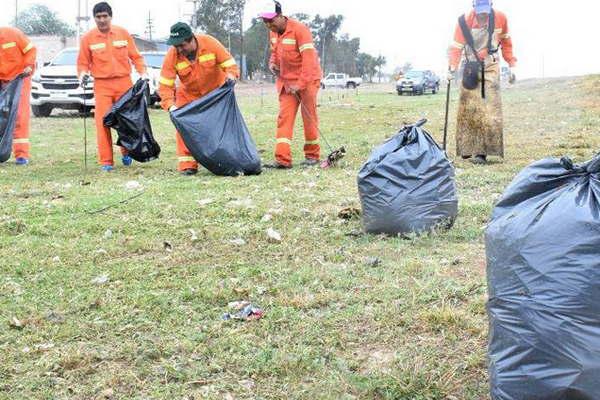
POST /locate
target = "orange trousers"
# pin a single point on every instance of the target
(107, 92)
(288, 109)
(185, 160)
(21, 144)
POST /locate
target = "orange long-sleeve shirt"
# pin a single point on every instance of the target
(16, 53)
(294, 53)
(205, 73)
(108, 55)
(501, 38)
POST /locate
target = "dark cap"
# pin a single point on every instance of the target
(180, 32)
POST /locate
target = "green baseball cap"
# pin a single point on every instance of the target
(180, 32)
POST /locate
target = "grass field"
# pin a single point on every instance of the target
(127, 303)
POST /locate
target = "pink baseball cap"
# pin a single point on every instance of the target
(268, 15)
(271, 15)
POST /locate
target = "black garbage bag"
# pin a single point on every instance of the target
(129, 116)
(543, 268)
(9, 108)
(407, 185)
(214, 131)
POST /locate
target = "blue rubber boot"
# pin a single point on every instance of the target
(108, 168)
(127, 160)
(21, 161)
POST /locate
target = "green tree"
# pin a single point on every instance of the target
(223, 19)
(257, 47)
(366, 66)
(40, 20)
(325, 31)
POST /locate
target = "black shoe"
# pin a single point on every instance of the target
(479, 160)
(276, 165)
(189, 172)
(310, 162)
(465, 157)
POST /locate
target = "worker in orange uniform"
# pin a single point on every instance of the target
(295, 62)
(477, 38)
(202, 65)
(105, 54)
(17, 56)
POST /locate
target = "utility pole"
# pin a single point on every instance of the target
(149, 26)
(194, 19)
(16, 13)
(80, 18)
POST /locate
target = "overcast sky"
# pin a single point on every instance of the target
(551, 37)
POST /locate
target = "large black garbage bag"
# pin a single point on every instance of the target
(214, 131)
(407, 185)
(129, 116)
(9, 108)
(543, 268)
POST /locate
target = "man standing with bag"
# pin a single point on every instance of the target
(17, 56)
(105, 54)
(295, 62)
(202, 65)
(477, 39)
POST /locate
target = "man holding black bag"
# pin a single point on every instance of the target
(477, 39)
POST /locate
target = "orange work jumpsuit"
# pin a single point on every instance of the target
(205, 73)
(106, 56)
(501, 39)
(298, 61)
(16, 53)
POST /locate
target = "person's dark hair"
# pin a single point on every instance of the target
(101, 8)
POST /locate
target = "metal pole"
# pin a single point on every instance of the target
(78, 21)
(16, 13)
(447, 112)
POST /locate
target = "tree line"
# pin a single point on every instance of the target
(338, 51)
(223, 19)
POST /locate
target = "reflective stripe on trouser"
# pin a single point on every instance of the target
(288, 109)
(185, 160)
(106, 93)
(21, 144)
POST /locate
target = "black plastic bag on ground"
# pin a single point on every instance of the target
(543, 268)
(214, 131)
(129, 116)
(407, 185)
(9, 108)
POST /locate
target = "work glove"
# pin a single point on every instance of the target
(84, 79)
(274, 69)
(145, 76)
(231, 78)
(27, 71)
(513, 76)
(450, 76)
(173, 108)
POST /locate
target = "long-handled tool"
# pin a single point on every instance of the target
(447, 111)
(84, 83)
(334, 155)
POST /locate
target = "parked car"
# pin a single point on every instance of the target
(340, 80)
(56, 85)
(154, 61)
(418, 82)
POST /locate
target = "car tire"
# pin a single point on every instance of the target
(351, 85)
(322, 86)
(42, 111)
(436, 89)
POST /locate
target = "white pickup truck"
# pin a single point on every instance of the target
(56, 86)
(340, 80)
